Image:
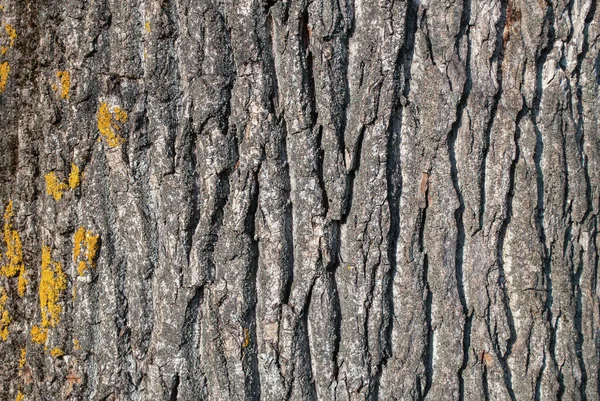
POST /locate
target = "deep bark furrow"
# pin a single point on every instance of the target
(458, 213)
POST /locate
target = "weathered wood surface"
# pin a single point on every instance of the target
(292, 200)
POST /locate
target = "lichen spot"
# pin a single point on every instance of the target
(76, 344)
(110, 123)
(52, 282)
(147, 26)
(120, 114)
(54, 187)
(23, 358)
(4, 71)
(4, 316)
(85, 240)
(74, 176)
(65, 83)
(20, 396)
(12, 34)
(56, 352)
(39, 335)
(14, 252)
(246, 342)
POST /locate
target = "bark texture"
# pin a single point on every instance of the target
(299, 200)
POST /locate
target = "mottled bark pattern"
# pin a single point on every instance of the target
(300, 200)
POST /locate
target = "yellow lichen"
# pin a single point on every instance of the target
(148, 27)
(78, 239)
(52, 282)
(56, 352)
(120, 114)
(20, 396)
(74, 178)
(22, 285)
(65, 83)
(14, 252)
(4, 323)
(85, 239)
(3, 50)
(4, 71)
(12, 34)
(23, 358)
(39, 335)
(54, 187)
(246, 342)
(76, 344)
(108, 127)
(4, 316)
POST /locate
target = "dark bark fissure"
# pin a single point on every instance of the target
(497, 57)
(539, 147)
(458, 213)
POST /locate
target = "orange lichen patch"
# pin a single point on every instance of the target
(12, 34)
(85, 239)
(76, 344)
(52, 283)
(54, 187)
(4, 71)
(14, 252)
(22, 284)
(120, 114)
(108, 123)
(39, 335)
(74, 177)
(72, 378)
(20, 396)
(65, 83)
(4, 316)
(246, 342)
(486, 358)
(56, 352)
(147, 26)
(23, 358)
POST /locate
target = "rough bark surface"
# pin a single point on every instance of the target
(299, 200)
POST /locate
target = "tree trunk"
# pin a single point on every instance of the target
(292, 200)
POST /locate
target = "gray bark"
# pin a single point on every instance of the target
(292, 200)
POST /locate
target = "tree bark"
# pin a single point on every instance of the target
(293, 200)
